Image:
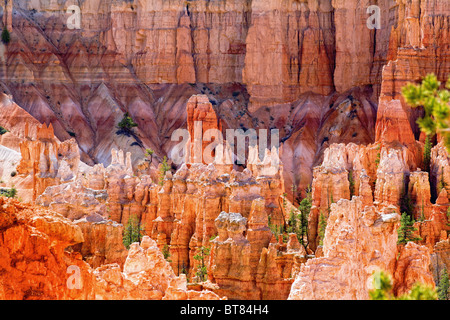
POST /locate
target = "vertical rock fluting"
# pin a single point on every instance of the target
(417, 46)
(250, 267)
(32, 255)
(201, 117)
(47, 160)
(358, 241)
(32, 252)
(289, 35)
(346, 171)
(390, 185)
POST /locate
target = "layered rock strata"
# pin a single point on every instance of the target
(38, 264)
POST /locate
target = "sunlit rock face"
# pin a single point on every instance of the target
(37, 266)
(314, 70)
(359, 241)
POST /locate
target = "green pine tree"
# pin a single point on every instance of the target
(406, 230)
(276, 229)
(305, 209)
(201, 256)
(162, 170)
(127, 124)
(427, 154)
(284, 200)
(435, 103)
(383, 290)
(420, 292)
(166, 253)
(441, 184)
(377, 159)
(133, 231)
(292, 222)
(9, 193)
(322, 227)
(383, 287)
(149, 154)
(443, 285)
(448, 220)
(6, 37)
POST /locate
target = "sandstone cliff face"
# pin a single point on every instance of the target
(358, 241)
(299, 36)
(102, 241)
(418, 38)
(48, 161)
(37, 266)
(291, 65)
(440, 259)
(250, 267)
(146, 276)
(148, 58)
(33, 257)
(139, 57)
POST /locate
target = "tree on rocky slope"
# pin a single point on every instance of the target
(9, 193)
(441, 184)
(427, 154)
(448, 220)
(322, 227)
(201, 256)
(166, 252)
(406, 230)
(443, 285)
(133, 232)
(435, 103)
(163, 168)
(126, 124)
(6, 37)
(305, 209)
(149, 154)
(383, 290)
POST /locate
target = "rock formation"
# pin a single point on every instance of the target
(48, 161)
(146, 276)
(320, 72)
(102, 241)
(250, 267)
(33, 257)
(37, 266)
(358, 241)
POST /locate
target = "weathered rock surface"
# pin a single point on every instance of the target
(419, 37)
(248, 267)
(358, 241)
(102, 241)
(290, 65)
(33, 258)
(47, 160)
(146, 276)
(37, 266)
